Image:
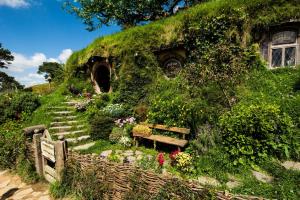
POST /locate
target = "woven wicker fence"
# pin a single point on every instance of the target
(119, 178)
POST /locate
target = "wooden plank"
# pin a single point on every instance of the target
(167, 140)
(166, 128)
(49, 178)
(48, 151)
(49, 170)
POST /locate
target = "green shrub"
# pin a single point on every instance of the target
(114, 110)
(11, 144)
(206, 139)
(13, 105)
(116, 134)
(101, 126)
(254, 132)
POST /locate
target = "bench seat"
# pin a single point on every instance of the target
(167, 140)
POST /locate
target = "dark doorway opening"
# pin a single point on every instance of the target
(102, 77)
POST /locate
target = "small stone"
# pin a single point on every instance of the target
(262, 177)
(23, 193)
(205, 180)
(139, 157)
(130, 159)
(149, 157)
(118, 151)
(291, 165)
(138, 153)
(233, 184)
(105, 154)
(44, 198)
(128, 153)
(4, 184)
(35, 194)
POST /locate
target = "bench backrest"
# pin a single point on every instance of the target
(183, 131)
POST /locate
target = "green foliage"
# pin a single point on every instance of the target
(83, 184)
(126, 13)
(5, 57)
(170, 105)
(15, 104)
(26, 169)
(116, 134)
(114, 110)
(11, 144)
(136, 74)
(206, 139)
(101, 126)
(174, 189)
(254, 132)
(8, 83)
(52, 70)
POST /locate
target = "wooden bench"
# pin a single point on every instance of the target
(166, 139)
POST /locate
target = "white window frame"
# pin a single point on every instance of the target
(283, 47)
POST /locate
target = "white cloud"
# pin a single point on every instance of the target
(21, 62)
(64, 55)
(14, 3)
(23, 66)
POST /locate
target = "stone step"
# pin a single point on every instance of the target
(65, 123)
(70, 132)
(70, 103)
(78, 139)
(84, 146)
(61, 108)
(72, 117)
(65, 128)
(63, 112)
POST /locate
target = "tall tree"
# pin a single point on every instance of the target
(53, 70)
(126, 13)
(5, 57)
(8, 83)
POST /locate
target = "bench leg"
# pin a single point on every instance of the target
(178, 148)
(135, 141)
(154, 143)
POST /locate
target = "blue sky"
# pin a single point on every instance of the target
(40, 30)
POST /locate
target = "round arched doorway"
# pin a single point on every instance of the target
(101, 75)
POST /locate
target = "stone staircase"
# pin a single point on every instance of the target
(68, 124)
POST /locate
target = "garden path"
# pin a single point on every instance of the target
(12, 188)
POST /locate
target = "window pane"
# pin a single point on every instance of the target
(290, 56)
(276, 57)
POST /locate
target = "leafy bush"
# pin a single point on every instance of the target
(101, 126)
(183, 161)
(141, 130)
(253, 132)
(114, 110)
(11, 144)
(116, 134)
(13, 105)
(206, 139)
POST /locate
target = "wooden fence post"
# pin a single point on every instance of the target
(38, 154)
(60, 156)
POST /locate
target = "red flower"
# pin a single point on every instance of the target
(174, 154)
(160, 159)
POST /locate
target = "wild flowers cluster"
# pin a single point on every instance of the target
(122, 122)
(114, 110)
(82, 106)
(160, 159)
(184, 162)
(125, 141)
(173, 155)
